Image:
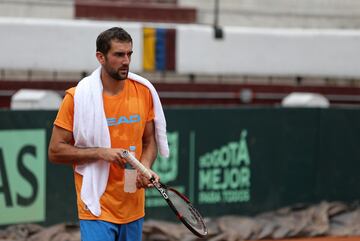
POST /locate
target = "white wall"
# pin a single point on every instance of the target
(279, 13)
(57, 45)
(37, 8)
(255, 51)
(69, 45)
(260, 13)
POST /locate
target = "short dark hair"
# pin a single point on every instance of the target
(103, 41)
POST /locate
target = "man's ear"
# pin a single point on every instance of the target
(100, 57)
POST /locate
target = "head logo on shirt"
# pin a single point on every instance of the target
(123, 120)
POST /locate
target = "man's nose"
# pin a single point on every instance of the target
(126, 60)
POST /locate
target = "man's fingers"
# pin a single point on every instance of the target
(155, 176)
(143, 182)
(120, 164)
(139, 181)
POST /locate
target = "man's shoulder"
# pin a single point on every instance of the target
(139, 85)
(140, 81)
(71, 91)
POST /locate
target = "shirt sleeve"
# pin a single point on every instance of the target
(65, 116)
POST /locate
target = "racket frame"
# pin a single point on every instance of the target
(162, 189)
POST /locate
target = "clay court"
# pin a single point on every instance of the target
(320, 239)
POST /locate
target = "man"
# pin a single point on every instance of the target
(129, 117)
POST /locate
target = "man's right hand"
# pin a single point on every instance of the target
(62, 150)
(111, 155)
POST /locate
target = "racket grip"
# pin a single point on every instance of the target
(135, 163)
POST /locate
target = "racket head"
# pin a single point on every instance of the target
(186, 212)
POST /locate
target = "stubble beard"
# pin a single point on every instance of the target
(116, 76)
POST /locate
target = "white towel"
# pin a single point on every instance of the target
(91, 130)
(160, 122)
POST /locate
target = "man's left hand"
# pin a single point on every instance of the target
(144, 182)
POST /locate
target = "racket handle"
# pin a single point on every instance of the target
(135, 163)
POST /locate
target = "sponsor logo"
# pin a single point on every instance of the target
(161, 190)
(123, 120)
(224, 173)
(22, 176)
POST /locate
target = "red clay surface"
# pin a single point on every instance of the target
(321, 239)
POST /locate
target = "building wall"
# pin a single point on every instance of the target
(280, 13)
(254, 13)
(37, 8)
(69, 45)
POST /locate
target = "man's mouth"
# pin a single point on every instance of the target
(123, 71)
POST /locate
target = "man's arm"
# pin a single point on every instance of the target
(149, 153)
(62, 151)
(149, 150)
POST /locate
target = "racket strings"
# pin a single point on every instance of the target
(187, 211)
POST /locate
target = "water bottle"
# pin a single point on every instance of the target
(130, 175)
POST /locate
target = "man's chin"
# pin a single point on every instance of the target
(123, 76)
(119, 77)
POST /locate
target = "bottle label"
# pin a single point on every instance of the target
(130, 180)
(130, 175)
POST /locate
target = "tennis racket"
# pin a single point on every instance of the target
(178, 202)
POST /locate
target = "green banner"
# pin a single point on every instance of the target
(224, 173)
(22, 176)
(246, 161)
(228, 161)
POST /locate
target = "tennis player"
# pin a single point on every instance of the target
(105, 211)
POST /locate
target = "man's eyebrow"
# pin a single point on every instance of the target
(124, 52)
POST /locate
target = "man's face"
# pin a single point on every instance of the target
(117, 60)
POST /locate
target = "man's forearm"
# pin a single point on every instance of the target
(69, 154)
(149, 154)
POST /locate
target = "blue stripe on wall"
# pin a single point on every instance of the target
(160, 56)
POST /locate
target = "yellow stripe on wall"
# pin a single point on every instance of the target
(149, 49)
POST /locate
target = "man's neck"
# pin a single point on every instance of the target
(110, 85)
